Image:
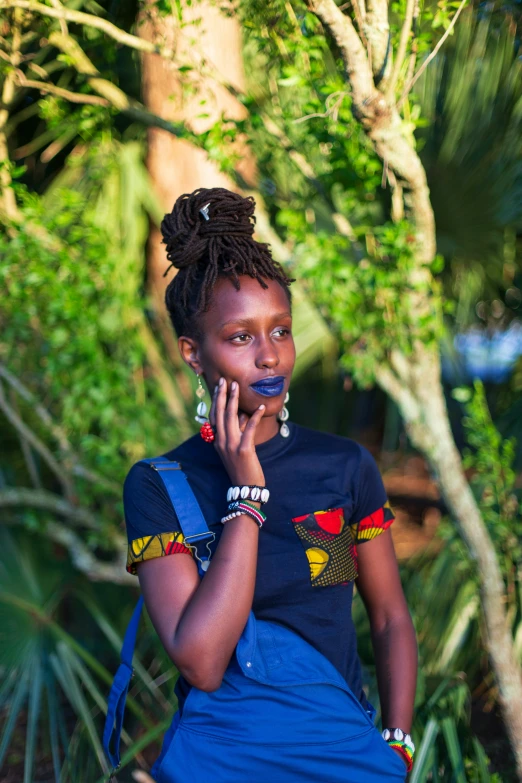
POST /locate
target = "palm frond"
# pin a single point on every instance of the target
(471, 98)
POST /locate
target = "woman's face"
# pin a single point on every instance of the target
(247, 337)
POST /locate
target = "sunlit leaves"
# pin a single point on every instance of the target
(490, 460)
(369, 299)
(70, 320)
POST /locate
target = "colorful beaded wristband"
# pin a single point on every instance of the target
(398, 739)
(405, 752)
(240, 507)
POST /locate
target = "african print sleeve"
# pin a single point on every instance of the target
(372, 514)
(152, 526)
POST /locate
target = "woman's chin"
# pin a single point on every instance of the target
(272, 405)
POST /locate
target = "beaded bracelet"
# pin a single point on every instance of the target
(405, 752)
(244, 507)
(398, 739)
(248, 492)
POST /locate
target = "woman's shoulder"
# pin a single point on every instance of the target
(140, 475)
(190, 448)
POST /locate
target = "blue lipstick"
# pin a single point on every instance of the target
(269, 387)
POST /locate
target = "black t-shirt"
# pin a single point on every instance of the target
(326, 497)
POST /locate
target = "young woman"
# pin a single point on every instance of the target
(327, 520)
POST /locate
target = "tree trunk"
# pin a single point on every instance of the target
(175, 165)
(416, 388)
(415, 382)
(446, 461)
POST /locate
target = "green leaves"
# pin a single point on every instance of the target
(74, 311)
(490, 460)
(56, 681)
(470, 146)
(369, 301)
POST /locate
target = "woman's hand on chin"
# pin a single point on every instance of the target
(235, 435)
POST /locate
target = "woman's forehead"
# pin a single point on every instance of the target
(251, 301)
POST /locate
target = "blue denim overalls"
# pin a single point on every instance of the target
(283, 713)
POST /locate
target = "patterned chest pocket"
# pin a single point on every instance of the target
(329, 546)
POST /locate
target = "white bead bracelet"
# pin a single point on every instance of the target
(248, 492)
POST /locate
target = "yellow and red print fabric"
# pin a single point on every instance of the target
(375, 524)
(329, 542)
(149, 547)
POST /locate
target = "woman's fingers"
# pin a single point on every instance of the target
(247, 441)
(212, 411)
(221, 400)
(243, 421)
(232, 413)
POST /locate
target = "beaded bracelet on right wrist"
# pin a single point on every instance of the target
(239, 507)
(248, 492)
(402, 742)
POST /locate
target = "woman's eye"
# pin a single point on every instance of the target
(240, 338)
(282, 332)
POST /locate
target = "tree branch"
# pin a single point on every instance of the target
(37, 445)
(413, 54)
(401, 51)
(435, 51)
(116, 97)
(58, 434)
(89, 20)
(398, 391)
(73, 97)
(8, 203)
(63, 23)
(341, 221)
(352, 50)
(360, 16)
(27, 452)
(82, 557)
(85, 561)
(377, 31)
(42, 500)
(383, 125)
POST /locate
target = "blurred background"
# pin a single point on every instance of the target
(111, 110)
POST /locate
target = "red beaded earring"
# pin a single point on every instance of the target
(206, 431)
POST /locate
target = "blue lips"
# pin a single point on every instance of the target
(269, 387)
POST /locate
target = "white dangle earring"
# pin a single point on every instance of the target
(206, 431)
(201, 411)
(283, 415)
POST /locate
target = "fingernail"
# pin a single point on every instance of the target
(234, 386)
(221, 381)
(262, 407)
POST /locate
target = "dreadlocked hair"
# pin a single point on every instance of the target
(209, 234)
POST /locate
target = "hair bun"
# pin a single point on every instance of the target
(200, 218)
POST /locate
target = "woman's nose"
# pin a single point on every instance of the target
(267, 355)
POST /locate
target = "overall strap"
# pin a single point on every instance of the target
(196, 535)
(119, 689)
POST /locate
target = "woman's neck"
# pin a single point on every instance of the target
(267, 428)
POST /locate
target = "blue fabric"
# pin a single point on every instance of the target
(196, 531)
(283, 714)
(188, 511)
(119, 689)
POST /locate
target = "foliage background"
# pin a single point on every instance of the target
(89, 380)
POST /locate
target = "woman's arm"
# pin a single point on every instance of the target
(393, 635)
(200, 621)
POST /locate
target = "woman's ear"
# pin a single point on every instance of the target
(188, 348)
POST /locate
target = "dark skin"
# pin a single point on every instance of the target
(246, 337)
